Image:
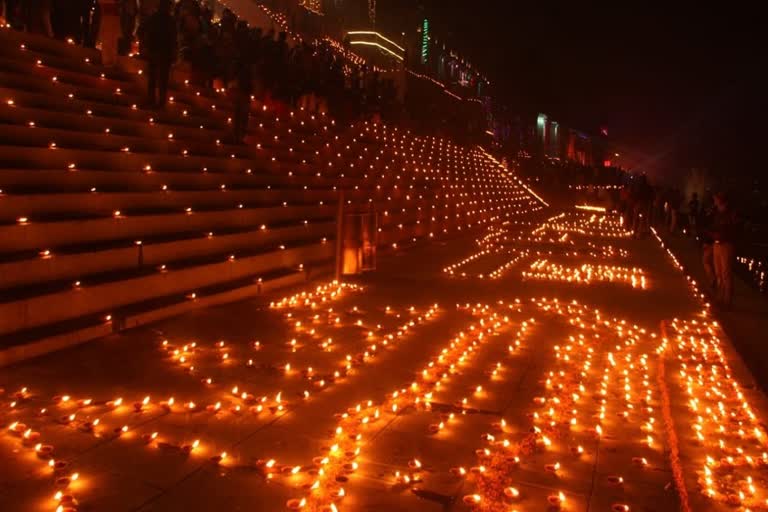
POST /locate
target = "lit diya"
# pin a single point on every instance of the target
(148, 438)
(59, 466)
(44, 451)
(472, 499)
(556, 501)
(29, 437)
(66, 500)
(17, 428)
(296, 504)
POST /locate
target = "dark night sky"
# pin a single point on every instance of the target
(677, 86)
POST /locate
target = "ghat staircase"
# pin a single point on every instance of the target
(113, 215)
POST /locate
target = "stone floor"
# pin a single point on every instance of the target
(748, 315)
(407, 389)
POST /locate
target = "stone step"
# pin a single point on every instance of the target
(32, 307)
(151, 311)
(29, 234)
(72, 262)
(60, 204)
(104, 202)
(116, 161)
(40, 43)
(64, 181)
(73, 158)
(29, 53)
(104, 89)
(125, 85)
(50, 111)
(35, 342)
(127, 76)
(100, 102)
(25, 136)
(19, 126)
(39, 235)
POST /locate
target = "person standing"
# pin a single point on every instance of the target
(65, 20)
(37, 15)
(241, 94)
(109, 31)
(706, 219)
(625, 206)
(11, 12)
(268, 68)
(657, 206)
(281, 68)
(129, 12)
(675, 200)
(89, 21)
(693, 213)
(146, 9)
(724, 234)
(161, 52)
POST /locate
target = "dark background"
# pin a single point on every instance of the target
(677, 86)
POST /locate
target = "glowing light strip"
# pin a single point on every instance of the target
(446, 91)
(519, 181)
(373, 33)
(590, 208)
(368, 43)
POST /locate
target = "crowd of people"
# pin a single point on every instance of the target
(712, 222)
(221, 52)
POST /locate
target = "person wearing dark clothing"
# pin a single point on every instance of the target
(243, 85)
(280, 66)
(693, 212)
(37, 16)
(12, 12)
(161, 52)
(268, 64)
(625, 205)
(65, 20)
(109, 31)
(707, 246)
(129, 12)
(228, 21)
(674, 202)
(641, 196)
(657, 207)
(724, 232)
(257, 59)
(146, 9)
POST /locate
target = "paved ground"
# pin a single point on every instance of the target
(409, 389)
(749, 314)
